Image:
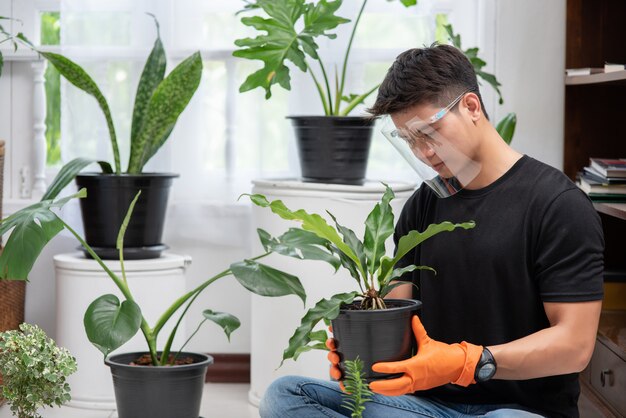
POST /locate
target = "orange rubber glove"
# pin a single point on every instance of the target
(334, 359)
(435, 364)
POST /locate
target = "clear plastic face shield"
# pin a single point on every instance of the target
(438, 160)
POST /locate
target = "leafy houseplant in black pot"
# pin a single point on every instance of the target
(153, 384)
(365, 325)
(159, 101)
(333, 148)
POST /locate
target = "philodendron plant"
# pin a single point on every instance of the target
(109, 322)
(374, 272)
(291, 28)
(159, 101)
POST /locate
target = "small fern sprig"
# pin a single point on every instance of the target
(357, 391)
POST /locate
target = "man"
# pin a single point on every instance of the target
(513, 311)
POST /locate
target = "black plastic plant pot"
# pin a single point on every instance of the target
(158, 392)
(106, 204)
(375, 335)
(333, 149)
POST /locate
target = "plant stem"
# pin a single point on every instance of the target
(345, 59)
(319, 90)
(190, 337)
(328, 92)
(180, 301)
(148, 333)
(354, 103)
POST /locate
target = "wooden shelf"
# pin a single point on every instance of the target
(617, 210)
(616, 77)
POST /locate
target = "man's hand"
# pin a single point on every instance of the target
(435, 364)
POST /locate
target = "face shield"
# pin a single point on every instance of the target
(439, 162)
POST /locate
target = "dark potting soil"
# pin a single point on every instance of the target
(146, 360)
(356, 305)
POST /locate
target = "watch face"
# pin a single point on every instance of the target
(486, 372)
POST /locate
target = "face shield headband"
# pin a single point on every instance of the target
(439, 161)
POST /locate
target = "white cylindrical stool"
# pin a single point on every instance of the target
(155, 285)
(274, 320)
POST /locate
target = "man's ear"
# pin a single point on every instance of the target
(472, 103)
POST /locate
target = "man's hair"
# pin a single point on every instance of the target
(435, 75)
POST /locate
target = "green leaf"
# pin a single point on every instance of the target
(34, 226)
(455, 39)
(120, 235)
(310, 222)
(386, 286)
(409, 3)
(151, 77)
(165, 106)
(110, 324)
(357, 391)
(415, 238)
(385, 290)
(350, 238)
(491, 79)
(506, 127)
(378, 227)
(67, 173)
(267, 281)
(228, 322)
(300, 244)
(75, 74)
(317, 342)
(324, 309)
(282, 42)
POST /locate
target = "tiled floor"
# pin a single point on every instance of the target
(219, 401)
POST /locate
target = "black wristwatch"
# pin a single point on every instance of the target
(486, 367)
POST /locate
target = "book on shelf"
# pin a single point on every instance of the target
(592, 174)
(610, 67)
(570, 72)
(609, 167)
(591, 185)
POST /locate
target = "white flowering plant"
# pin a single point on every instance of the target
(34, 371)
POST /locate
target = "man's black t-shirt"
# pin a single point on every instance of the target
(537, 239)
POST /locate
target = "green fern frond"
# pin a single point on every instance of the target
(357, 390)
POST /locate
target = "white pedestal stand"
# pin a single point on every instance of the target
(155, 284)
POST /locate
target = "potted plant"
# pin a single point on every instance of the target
(34, 370)
(365, 325)
(159, 101)
(333, 148)
(170, 384)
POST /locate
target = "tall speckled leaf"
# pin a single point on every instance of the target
(378, 227)
(165, 106)
(75, 74)
(282, 41)
(33, 227)
(67, 173)
(324, 309)
(151, 77)
(415, 238)
(109, 324)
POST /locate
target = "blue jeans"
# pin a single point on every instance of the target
(302, 397)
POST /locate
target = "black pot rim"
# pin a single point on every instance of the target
(111, 362)
(324, 117)
(409, 304)
(126, 175)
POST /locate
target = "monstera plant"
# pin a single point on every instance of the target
(159, 101)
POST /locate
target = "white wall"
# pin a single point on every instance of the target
(524, 44)
(525, 40)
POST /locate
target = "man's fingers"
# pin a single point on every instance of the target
(333, 357)
(330, 328)
(330, 344)
(342, 387)
(392, 387)
(335, 373)
(419, 331)
(389, 367)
